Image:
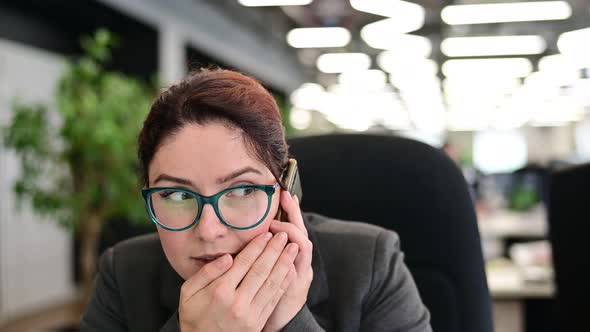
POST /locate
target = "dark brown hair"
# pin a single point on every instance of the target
(226, 96)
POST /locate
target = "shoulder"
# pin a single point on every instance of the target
(358, 235)
(354, 246)
(138, 255)
(139, 245)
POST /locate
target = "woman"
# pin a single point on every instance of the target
(212, 151)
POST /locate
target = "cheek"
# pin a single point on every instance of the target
(244, 237)
(173, 244)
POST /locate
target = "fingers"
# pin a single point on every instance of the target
(268, 297)
(272, 284)
(262, 268)
(290, 205)
(245, 259)
(206, 274)
(304, 257)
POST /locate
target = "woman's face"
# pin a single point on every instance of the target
(203, 158)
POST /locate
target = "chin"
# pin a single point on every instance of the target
(188, 270)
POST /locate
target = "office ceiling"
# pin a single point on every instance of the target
(329, 13)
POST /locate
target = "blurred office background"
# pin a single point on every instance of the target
(502, 87)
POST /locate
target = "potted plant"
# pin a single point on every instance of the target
(82, 168)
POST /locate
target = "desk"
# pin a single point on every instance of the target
(528, 290)
(513, 224)
(510, 294)
(514, 298)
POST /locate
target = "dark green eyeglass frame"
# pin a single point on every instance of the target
(203, 200)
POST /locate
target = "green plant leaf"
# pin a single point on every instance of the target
(87, 164)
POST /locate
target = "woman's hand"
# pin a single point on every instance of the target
(296, 295)
(239, 296)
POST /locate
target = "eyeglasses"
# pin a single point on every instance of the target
(240, 207)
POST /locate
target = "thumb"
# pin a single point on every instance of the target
(206, 274)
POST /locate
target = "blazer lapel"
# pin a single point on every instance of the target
(318, 291)
(170, 286)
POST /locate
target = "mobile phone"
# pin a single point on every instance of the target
(291, 180)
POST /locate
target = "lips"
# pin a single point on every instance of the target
(210, 257)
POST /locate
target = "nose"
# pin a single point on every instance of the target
(209, 228)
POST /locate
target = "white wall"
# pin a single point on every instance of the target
(550, 143)
(35, 253)
(582, 136)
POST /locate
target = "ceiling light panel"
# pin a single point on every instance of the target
(411, 45)
(575, 45)
(390, 8)
(318, 37)
(503, 67)
(372, 79)
(341, 62)
(404, 16)
(493, 45)
(268, 3)
(506, 12)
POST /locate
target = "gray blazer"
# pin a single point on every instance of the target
(360, 284)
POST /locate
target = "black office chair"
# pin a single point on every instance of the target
(569, 232)
(415, 190)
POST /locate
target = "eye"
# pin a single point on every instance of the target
(175, 195)
(240, 192)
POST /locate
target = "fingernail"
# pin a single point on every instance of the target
(268, 236)
(222, 261)
(293, 248)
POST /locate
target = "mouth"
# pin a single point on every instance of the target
(209, 258)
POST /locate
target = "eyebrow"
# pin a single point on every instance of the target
(233, 175)
(237, 173)
(166, 177)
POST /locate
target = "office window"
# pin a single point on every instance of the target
(499, 151)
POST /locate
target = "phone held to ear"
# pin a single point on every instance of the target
(291, 179)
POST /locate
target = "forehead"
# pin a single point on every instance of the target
(203, 153)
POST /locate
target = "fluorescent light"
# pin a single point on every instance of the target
(309, 96)
(421, 81)
(581, 92)
(414, 45)
(493, 45)
(404, 16)
(318, 37)
(506, 12)
(391, 62)
(559, 69)
(461, 84)
(339, 112)
(300, 118)
(499, 151)
(575, 45)
(341, 62)
(389, 8)
(372, 79)
(540, 86)
(266, 3)
(466, 120)
(385, 28)
(478, 90)
(559, 111)
(556, 62)
(505, 67)
(342, 109)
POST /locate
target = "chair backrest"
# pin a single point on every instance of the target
(417, 191)
(569, 233)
